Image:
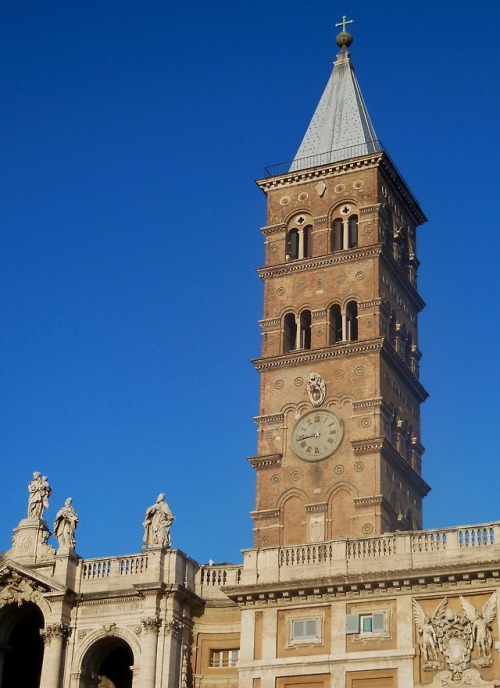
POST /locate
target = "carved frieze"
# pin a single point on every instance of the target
(16, 590)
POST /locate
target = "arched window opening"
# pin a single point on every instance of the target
(305, 330)
(408, 351)
(24, 641)
(353, 231)
(337, 235)
(393, 330)
(351, 321)
(307, 241)
(289, 333)
(293, 244)
(335, 324)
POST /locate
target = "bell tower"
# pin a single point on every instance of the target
(339, 451)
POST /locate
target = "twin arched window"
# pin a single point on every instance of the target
(343, 323)
(344, 230)
(297, 331)
(299, 240)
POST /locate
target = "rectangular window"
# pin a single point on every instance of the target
(366, 624)
(305, 629)
(223, 658)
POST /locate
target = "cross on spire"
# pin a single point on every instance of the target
(344, 22)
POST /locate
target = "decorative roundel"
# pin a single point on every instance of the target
(317, 434)
(285, 200)
(270, 339)
(298, 381)
(300, 286)
(358, 184)
(266, 540)
(339, 374)
(366, 422)
(295, 475)
(280, 291)
(303, 196)
(274, 249)
(369, 322)
(279, 384)
(340, 279)
(367, 529)
(360, 275)
(316, 472)
(359, 370)
(368, 229)
(358, 466)
(319, 283)
(339, 469)
(275, 479)
(319, 332)
(339, 188)
(320, 239)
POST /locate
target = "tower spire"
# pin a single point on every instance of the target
(340, 127)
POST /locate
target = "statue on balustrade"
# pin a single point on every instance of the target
(38, 500)
(157, 523)
(65, 525)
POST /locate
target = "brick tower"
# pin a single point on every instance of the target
(339, 451)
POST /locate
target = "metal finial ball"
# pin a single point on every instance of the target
(344, 39)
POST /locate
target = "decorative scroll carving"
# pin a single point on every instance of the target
(17, 590)
(55, 630)
(174, 628)
(109, 629)
(316, 389)
(448, 640)
(151, 624)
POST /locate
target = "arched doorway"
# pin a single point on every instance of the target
(108, 664)
(21, 635)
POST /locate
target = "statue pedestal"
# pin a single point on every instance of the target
(29, 543)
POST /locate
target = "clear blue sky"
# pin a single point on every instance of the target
(130, 231)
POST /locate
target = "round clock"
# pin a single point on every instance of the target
(316, 435)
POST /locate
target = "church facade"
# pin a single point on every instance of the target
(342, 587)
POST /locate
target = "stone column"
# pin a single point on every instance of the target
(54, 638)
(301, 243)
(297, 333)
(344, 325)
(345, 231)
(151, 627)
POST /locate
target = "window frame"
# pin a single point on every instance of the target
(317, 639)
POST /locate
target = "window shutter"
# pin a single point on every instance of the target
(352, 624)
(378, 622)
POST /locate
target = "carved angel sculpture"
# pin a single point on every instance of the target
(427, 635)
(481, 623)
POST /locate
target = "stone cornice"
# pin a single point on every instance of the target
(273, 229)
(306, 264)
(367, 403)
(266, 461)
(316, 173)
(316, 508)
(315, 355)
(442, 578)
(400, 185)
(273, 418)
(264, 514)
(368, 501)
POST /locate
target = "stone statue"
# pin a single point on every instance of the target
(65, 525)
(38, 501)
(427, 635)
(481, 624)
(316, 389)
(157, 522)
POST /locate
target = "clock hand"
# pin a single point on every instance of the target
(306, 437)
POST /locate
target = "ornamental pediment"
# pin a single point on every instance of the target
(19, 584)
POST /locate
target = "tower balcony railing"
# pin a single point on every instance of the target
(333, 157)
(319, 159)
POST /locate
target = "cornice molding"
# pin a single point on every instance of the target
(264, 514)
(272, 418)
(273, 229)
(307, 264)
(315, 355)
(266, 461)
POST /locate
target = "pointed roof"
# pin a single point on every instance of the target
(341, 127)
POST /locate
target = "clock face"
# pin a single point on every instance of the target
(316, 435)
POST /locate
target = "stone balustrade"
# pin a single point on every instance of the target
(392, 552)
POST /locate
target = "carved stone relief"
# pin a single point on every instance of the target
(456, 644)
